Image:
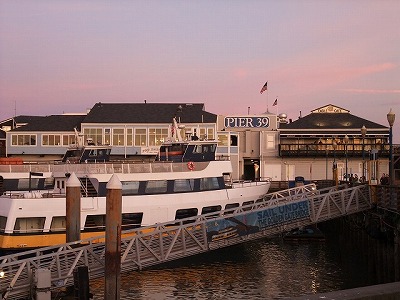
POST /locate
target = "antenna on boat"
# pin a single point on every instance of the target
(78, 138)
(176, 131)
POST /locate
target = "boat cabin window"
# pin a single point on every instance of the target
(23, 184)
(209, 209)
(95, 222)
(131, 220)
(183, 185)
(209, 183)
(156, 186)
(247, 203)
(58, 223)
(3, 221)
(231, 205)
(24, 225)
(130, 188)
(205, 148)
(185, 213)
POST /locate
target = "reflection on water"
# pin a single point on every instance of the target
(264, 269)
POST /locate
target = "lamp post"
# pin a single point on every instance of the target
(346, 141)
(334, 167)
(363, 134)
(391, 117)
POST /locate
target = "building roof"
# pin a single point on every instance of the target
(331, 118)
(53, 123)
(148, 113)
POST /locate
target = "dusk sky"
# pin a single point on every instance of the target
(64, 56)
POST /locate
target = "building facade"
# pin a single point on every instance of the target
(326, 144)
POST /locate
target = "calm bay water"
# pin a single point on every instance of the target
(263, 269)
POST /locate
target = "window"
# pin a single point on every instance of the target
(183, 185)
(223, 140)
(129, 137)
(157, 136)
(131, 220)
(270, 141)
(185, 213)
(51, 140)
(68, 139)
(156, 187)
(107, 136)
(140, 137)
(23, 140)
(231, 205)
(210, 133)
(96, 134)
(130, 187)
(58, 224)
(207, 133)
(209, 209)
(24, 225)
(23, 184)
(118, 137)
(210, 183)
(95, 222)
(3, 221)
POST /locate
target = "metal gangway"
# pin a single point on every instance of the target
(144, 247)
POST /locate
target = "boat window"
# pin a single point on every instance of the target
(95, 222)
(183, 185)
(247, 203)
(131, 220)
(3, 221)
(185, 213)
(130, 187)
(24, 225)
(231, 205)
(23, 184)
(198, 149)
(209, 209)
(209, 183)
(156, 186)
(58, 223)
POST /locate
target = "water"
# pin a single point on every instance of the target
(263, 269)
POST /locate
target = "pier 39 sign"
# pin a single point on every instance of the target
(247, 122)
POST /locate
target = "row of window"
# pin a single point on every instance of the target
(47, 139)
(172, 186)
(98, 222)
(139, 137)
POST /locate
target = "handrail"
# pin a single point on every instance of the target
(148, 246)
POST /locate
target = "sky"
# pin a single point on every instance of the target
(64, 56)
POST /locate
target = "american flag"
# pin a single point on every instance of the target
(275, 102)
(264, 88)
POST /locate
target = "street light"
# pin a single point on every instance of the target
(363, 134)
(334, 167)
(391, 117)
(346, 141)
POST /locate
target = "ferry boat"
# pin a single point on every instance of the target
(186, 179)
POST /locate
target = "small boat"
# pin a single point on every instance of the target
(307, 233)
(186, 179)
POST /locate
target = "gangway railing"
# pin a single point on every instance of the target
(149, 246)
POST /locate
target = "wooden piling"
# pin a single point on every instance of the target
(73, 209)
(113, 239)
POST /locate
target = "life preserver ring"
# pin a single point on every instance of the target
(190, 165)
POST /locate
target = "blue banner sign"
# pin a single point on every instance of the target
(247, 122)
(255, 221)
